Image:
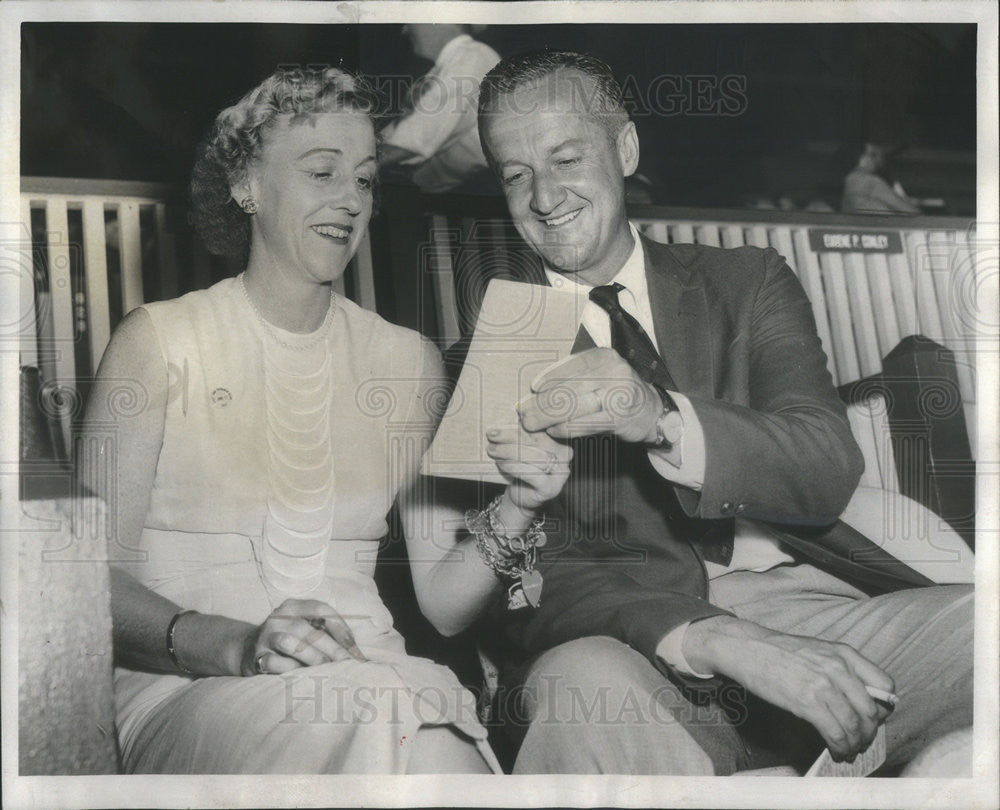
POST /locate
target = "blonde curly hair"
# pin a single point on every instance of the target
(236, 141)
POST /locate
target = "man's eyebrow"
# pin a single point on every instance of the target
(569, 143)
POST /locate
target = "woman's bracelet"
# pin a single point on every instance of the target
(171, 650)
(511, 558)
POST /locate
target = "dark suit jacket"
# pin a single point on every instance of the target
(736, 332)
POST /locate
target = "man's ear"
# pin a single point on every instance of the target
(628, 149)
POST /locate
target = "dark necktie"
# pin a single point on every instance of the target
(714, 539)
(630, 340)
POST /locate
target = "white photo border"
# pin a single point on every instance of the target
(499, 791)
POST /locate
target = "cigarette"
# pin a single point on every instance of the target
(338, 630)
(882, 695)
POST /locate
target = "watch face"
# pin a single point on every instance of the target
(670, 426)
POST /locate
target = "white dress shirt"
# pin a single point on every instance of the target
(442, 129)
(754, 546)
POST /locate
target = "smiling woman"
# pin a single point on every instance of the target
(254, 486)
(312, 189)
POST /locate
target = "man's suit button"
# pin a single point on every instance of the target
(726, 508)
(741, 508)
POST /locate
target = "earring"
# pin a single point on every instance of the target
(249, 205)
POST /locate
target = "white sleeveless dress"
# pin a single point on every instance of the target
(282, 454)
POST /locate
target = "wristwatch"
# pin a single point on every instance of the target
(669, 425)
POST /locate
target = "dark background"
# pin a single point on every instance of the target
(130, 101)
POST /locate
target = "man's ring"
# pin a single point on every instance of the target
(259, 663)
(551, 463)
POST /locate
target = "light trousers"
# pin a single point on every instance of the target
(594, 705)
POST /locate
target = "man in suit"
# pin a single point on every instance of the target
(702, 610)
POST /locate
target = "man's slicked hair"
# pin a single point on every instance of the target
(601, 97)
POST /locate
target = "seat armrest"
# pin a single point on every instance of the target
(929, 436)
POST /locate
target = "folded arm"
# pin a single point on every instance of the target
(437, 111)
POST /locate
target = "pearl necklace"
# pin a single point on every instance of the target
(295, 347)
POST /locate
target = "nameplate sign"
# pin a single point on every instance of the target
(824, 240)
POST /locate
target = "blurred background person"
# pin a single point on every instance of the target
(436, 143)
(867, 191)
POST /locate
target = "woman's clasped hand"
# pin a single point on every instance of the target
(299, 633)
(537, 464)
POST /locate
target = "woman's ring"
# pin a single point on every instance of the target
(259, 663)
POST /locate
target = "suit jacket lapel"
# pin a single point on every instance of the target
(681, 318)
(583, 341)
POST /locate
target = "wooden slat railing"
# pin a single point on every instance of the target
(864, 303)
(73, 298)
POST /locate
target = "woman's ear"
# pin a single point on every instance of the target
(628, 149)
(246, 186)
(241, 189)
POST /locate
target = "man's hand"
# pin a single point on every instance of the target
(819, 681)
(595, 391)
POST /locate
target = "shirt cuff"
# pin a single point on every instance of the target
(684, 462)
(670, 653)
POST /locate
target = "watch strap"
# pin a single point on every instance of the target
(665, 398)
